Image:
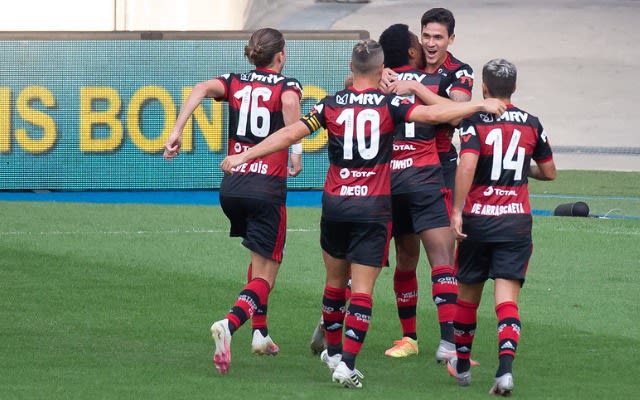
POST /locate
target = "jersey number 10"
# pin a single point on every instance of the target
(370, 117)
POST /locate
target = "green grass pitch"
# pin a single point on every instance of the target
(115, 302)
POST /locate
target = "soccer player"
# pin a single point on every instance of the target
(260, 102)
(420, 212)
(492, 218)
(356, 204)
(455, 79)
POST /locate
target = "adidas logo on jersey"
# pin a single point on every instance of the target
(463, 349)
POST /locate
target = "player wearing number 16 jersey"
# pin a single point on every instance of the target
(261, 101)
(356, 209)
(492, 218)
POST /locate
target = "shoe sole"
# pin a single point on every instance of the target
(346, 382)
(269, 351)
(222, 354)
(400, 355)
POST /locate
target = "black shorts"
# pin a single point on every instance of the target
(478, 261)
(364, 243)
(418, 211)
(262, 224)
(449, 163)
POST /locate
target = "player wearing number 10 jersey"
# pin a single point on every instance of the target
(356, 207)
(492, 218)
(261, 101)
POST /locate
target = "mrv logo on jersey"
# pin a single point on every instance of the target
(365, 99)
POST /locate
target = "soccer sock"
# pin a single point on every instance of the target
(405, 285)
(356, 326)
(444, 288)
(508, 335)
(464, 324)
(254, 293)
(333, 311)
(259, 319)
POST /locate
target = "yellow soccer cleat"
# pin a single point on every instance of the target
(403, 348)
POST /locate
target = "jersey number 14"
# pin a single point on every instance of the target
(513, 158)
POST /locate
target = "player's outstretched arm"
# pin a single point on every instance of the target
(405, 88)
(279, 140)
(442, 113)
(210, 88)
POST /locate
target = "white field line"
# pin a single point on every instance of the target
(173, 231)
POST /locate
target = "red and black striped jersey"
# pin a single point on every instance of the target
(360, 125)
(454, 75)
(497, 207)
(415, 162)
(255, 112)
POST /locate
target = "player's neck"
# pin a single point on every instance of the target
(363, 82)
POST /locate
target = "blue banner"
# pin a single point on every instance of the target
(95, 114)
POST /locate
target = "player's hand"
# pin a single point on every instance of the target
(456, 225)
(296, 165)
(494, 106)
(402, 88)
(172, 147)
(388, 77)
(231, 162)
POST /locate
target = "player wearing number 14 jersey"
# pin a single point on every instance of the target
(492, 218)
(356, 208)
(261, 101)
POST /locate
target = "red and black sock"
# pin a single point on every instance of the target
(508, 335)
(356, 326)
(259, 319)
(464, 324)
(444, 288)
(333, 312)
(254, 293)
(405, 286)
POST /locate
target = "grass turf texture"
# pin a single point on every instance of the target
(113, 301)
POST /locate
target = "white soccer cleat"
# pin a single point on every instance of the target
(463, 378)
(503, 385)
(263, 345)
(349, 378)
(331, 361)
(445, 351)
(222, 338)
(318, 342)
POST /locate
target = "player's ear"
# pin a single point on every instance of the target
(351, 66)
(485, 91)
(452, 38)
